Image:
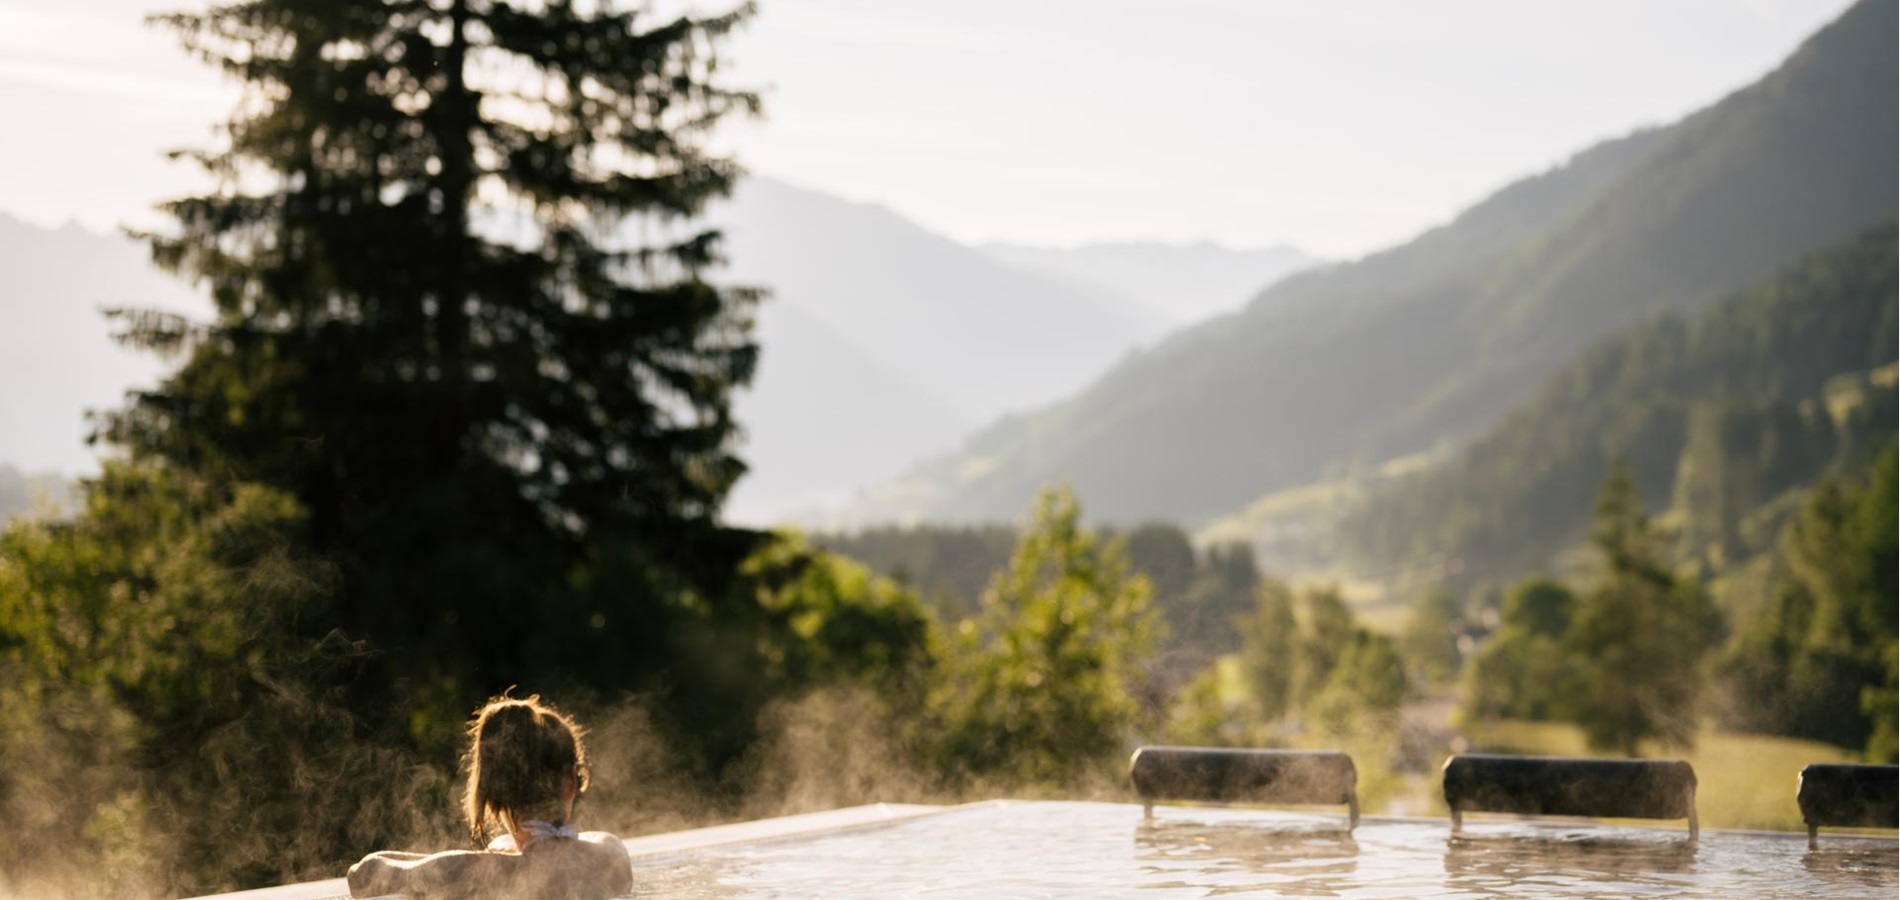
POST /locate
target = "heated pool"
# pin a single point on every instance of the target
(1059, 849)
(1049, 849)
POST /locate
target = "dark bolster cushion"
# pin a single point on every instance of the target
(1850, 795)
(1558, 786)
(1258, 776)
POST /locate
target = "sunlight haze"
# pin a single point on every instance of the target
(1339, 128)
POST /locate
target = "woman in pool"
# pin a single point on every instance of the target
(526, 767)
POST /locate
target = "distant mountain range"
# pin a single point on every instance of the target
(882, 343)
(822, 415)
(1185, 283)
(979, 336)
(1431, 342)
(57, 356)
(22, 494)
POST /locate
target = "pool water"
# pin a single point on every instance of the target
(1054, 849)
(1046, 849)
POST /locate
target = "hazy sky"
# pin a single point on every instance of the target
(1340, 126)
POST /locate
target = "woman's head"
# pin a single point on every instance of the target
(525, 761)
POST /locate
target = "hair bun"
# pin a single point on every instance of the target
(521, 755)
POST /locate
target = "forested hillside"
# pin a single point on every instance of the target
(1814, 651)
(1723, 413)
(1435, 340)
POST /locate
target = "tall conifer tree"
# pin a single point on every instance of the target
(508, 423)
(1639, 636)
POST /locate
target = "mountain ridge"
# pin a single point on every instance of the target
(58, 283)
(1725, 401)
(1431, 341)
(1186, 282)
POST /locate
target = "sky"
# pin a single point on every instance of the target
(1340, 127)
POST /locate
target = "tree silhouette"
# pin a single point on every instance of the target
(508, 423)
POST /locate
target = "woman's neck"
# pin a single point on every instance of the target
(528, 832)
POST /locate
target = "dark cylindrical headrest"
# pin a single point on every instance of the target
(1850, 795)
(1557, 786)
(1258, 776)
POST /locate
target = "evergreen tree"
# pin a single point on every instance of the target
(1818, 660)
(1201, 716)
(1043, 687)
(1162, 552)
(1540, 606)
(1222, 591)
(1322, 668)
(1430, 641)
(1365, 689)
(1523, 671)
(1881, 703)
(1327, 630)
(948, 564)
(506, 424)
(1637, 639)
(838, 621)
(1268, 655)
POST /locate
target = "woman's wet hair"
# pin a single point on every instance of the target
(521, 752)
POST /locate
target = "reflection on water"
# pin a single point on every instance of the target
(1850, 864)
(1105, 850)
(692, 875)
(1577, 865)
(1292, 861)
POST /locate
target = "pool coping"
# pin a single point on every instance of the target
(658, 846)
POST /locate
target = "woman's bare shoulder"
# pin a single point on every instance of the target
(610, 857)
(596, 865)
(390, 873)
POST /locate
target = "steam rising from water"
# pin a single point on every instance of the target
(84, 821)
(272, 796)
